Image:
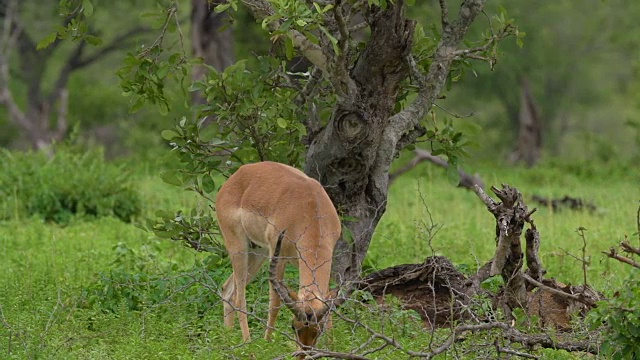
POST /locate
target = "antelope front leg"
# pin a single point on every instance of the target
(228, 301)
(274, 302)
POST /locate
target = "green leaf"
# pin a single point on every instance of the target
(87, 8)
(169, 134)
(93, 40)
(282, 123)
(170, 177)
(208, 185)
(220, 8)
(452, 174)
(48, 40)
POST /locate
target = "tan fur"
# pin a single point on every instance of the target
(255, 205)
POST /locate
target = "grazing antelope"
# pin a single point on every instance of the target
(269, 209)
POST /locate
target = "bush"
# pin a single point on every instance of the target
(139, 279)
(64, 185)
(622, 321)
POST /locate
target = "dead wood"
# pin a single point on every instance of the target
(627, 247)
(534, 264)
(442, 295)
(435, 289)
(466, 180)
(566, 202)
(511, 214)
(613, 253)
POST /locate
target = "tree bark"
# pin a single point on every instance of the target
(511, 214)
(343, 157)
(210, 40)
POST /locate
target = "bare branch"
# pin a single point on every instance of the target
(614, 255)
(500, 349)
(466, 180)
(445, 14)
(431, 84)
(578, 298)
(486, 199)
(628, 248)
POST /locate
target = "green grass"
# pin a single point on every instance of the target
(52, 278)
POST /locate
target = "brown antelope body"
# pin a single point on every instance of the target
(265, 206)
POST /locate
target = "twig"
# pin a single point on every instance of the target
(558, 292)
(614, 255)
(584, 260)
(628, 248)
(500, 349)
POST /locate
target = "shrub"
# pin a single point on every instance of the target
(139, 279)
(622, 321)
(64, 185)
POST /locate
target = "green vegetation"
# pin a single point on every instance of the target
(81, 280)
(71, 182)
(102, 288)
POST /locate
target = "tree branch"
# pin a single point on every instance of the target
(614, 255)
(466, 180)
(262, 9)
(78, 60)
(120, 42)
(343, 83)
(431, 84)
(10, 35)
(561, 293)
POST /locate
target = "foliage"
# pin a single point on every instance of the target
(77, 28)
(244, 103)
(67, 184)
(143, 75)
(621, 320)
(569, 106)
(140, 279)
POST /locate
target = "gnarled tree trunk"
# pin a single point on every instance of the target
(352, 155)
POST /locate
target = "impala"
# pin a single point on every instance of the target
(266, 210)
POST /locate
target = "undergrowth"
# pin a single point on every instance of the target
(70, 183)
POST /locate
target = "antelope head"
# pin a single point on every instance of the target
(310, 313)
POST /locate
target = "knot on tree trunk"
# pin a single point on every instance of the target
(351, 127)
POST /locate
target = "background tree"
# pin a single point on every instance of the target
(578, 61)
(211, 38)
(45, 66)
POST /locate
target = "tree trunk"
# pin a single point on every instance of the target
(209, 40)
(530, 128)
(351, 156)
(344, 156)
